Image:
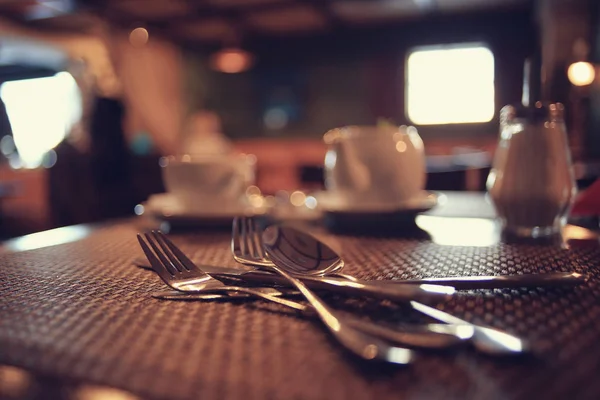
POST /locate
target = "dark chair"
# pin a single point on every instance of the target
(446, 180)
(312, 176)
(146, 177)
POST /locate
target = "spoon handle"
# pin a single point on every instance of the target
(363, 345)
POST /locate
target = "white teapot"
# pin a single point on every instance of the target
(375, 165)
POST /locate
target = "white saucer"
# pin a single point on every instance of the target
(167, 208)
(329, 202)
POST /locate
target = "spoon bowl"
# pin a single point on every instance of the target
(301, 252)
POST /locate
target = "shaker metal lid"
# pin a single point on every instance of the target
(541, 111)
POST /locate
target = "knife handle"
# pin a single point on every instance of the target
(500, 282)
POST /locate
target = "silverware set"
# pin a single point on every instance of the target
(281, 261)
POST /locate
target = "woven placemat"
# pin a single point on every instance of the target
(82, 311)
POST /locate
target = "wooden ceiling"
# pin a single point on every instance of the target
(216, 21)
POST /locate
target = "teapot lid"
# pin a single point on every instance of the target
(358, 131)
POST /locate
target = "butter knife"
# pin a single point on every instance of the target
(250, 274)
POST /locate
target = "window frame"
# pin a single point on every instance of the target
(71, 118)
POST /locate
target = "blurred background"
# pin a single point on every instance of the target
(93, 92)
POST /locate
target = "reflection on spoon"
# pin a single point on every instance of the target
(487, 340)
(300, 252)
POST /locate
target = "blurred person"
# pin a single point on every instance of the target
(151, 76)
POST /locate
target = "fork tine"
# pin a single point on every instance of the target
(244, 244)
(162, 270)
(187, 263)
(167, 251)
(246, 249)
(250, 237)
(173, 267)
(235, 234)
(256, 239)
(261, 245)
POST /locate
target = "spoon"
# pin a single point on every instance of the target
(296, 250)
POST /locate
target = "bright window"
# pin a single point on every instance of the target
(450, 85)
(41, 112)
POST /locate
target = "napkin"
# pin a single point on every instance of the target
(587, 202)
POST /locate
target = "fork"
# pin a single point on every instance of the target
(180, 273)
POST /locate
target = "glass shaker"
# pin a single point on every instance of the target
(531, 182)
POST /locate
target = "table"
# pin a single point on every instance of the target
(79, 312)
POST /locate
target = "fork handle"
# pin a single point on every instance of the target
(429, 336)
(258, 293)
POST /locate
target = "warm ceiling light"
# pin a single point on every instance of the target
(139, 37)
(581, 73)
(231, 60)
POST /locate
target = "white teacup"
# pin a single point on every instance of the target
(208, 183)
(369, 165)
